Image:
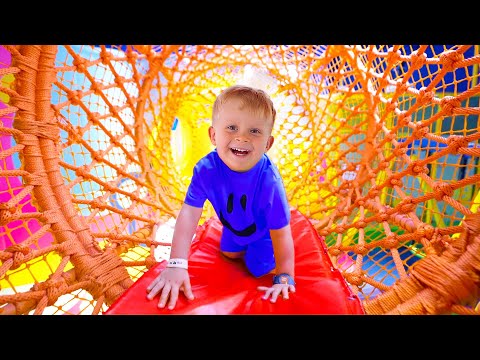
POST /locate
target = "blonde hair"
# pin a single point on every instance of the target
(253, 99)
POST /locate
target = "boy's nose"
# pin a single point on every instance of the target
(241, 138)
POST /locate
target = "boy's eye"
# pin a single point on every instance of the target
(231, 127)
(255, 131)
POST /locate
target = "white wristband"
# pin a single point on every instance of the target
(178, 263)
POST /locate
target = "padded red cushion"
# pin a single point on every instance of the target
(223, 286)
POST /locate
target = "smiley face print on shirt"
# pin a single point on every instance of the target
(235, 210)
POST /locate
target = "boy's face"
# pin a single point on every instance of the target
(240, 136)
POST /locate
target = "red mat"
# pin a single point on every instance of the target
(222, 286)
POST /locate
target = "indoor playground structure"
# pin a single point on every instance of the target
(378, 146)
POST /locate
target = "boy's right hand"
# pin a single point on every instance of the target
(170, 281)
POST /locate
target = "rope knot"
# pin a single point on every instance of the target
(390, 106)
(354, 279)
(424, 230)
(399, 151)
(418, 60)
(106, 57)
(360, 224)
(404, 119)
(373, 191)
(119, 80)
(334, 250)
(401, 87)
(115, 237)
(383, 165)
(137, 76)
(323, 232)
(390, 242)
(424, 96)
(18, 248)
(390, 136)
(75, 97)
(81, 171)
(455, 142)
(95, 203)
(55, 288)
(80, 64)
(132, 56)
(341, 211)
(360, 249)
(8, 215)
(382, 216)
(439, 242)
(396, 182)
(417, 168)
(343, 192)
(97, 156)
(406, 205)
(18, 259)
(95, 88)
(442, 189)
(420, 132)
(449, 103)
(394, 56)
(450, 58)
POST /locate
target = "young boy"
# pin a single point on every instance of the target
(247, 193)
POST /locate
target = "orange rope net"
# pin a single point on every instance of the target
(378, 146)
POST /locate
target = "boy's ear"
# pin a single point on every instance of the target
(270, 141)
(211, 134)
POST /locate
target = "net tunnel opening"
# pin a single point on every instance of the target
(378, 146)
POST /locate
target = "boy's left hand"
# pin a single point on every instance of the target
(276, 290)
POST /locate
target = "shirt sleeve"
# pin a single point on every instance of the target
(278, 213)
(196, 195)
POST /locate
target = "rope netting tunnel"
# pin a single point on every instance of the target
(378, 147)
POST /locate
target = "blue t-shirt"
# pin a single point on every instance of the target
(248, 204)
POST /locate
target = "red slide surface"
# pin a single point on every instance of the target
(222, 286)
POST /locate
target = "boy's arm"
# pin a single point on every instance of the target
(284, 251)
(185, 227)
(172, 280)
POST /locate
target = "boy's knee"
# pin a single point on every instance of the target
(257, 268)
(260, 259)
(260, 271)
(233, 255)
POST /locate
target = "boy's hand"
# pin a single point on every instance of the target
(172, 281)
(276, 290)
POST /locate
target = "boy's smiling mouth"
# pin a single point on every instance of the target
(239, 151)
